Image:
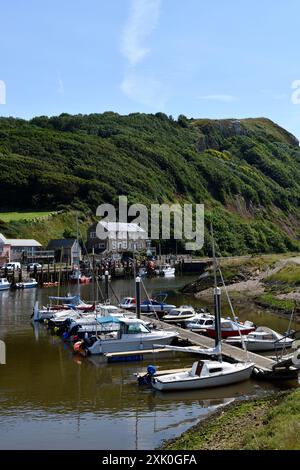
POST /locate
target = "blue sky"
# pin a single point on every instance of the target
(212, 59)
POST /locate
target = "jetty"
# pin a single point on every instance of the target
(263, 363)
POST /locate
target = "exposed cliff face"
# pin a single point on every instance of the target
(214, 131)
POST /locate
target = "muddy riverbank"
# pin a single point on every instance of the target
(272, 282)
(272, 422)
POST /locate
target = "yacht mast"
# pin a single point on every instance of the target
(217, 300)
(77, 238)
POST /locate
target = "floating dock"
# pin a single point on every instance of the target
(262, 363)
(143, 355)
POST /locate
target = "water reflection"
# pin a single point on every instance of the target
(52, 399)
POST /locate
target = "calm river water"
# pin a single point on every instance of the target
(49, 399)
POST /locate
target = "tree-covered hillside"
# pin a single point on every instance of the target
(247, 172)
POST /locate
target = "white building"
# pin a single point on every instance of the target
(121, 237)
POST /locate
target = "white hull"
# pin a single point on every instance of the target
(185, 381)
(156, 308)
(46, 314)
(131, 343)
(4, 284)
(176, 319)
(263, 339)
(26, 285)
(262, 345)
(169, 273)
(165, 271)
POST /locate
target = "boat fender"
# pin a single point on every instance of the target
(257, 371)
(296, 358)
(296, 344)
(151, 370)
(78, 346)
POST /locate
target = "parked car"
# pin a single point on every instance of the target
(33, 266)
(12, 266)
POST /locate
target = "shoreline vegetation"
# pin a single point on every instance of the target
(268, 423)
(269, 281)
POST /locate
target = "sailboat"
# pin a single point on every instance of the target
(207, 373)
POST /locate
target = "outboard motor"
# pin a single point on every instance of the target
(147, 378)
(89, 341)
(74, 330)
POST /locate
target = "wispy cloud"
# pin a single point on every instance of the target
(143, 19)
(60, 85)
(219, 97)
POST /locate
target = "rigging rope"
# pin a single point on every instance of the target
(235, 319)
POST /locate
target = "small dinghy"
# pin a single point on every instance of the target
(262, 339)
(167, 271)
(30, 284)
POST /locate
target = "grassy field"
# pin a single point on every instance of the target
(268, 423)
(288, 275)
(46, 227)
(15, 216)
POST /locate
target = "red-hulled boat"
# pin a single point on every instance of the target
(231, 328)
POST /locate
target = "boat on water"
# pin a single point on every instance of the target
(60, 321)
(58, 304)
(166, 270)
(143, 272)
(77, 322)
(206, 373)
(155, 305)
(30, 284)
(262, 339)
(128, 303)
(4, 284)
(123, 334)
(89, 323)
(148, 306)
(78, 277)
(200, 322)
(231, 328)
(180, 314)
